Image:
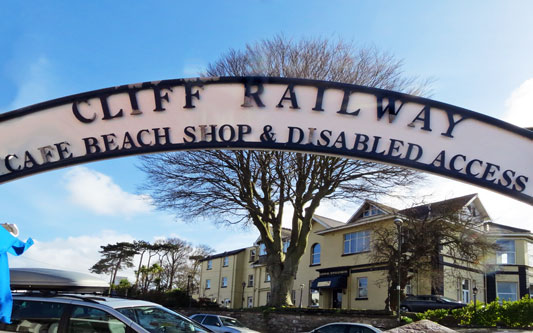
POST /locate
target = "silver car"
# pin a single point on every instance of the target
(42, 308)
(346, 328)
(221, 324)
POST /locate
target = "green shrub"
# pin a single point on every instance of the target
(506, 314)
(436, 315)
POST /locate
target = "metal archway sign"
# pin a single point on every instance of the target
(269, 113)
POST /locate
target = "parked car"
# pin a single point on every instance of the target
(221, 324)
(422, 303)
(46, 307)
(346, 328)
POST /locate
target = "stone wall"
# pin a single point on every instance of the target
(292, 322)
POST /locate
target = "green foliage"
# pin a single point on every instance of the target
(406, 320)
(496, 313)
(434, 315)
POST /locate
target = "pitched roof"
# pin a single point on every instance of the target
(439, 207)
(380, 206)
(223, 254)
(327, 222)
(496, 228)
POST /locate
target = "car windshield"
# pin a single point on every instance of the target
(231, 322)
(446, 299)
(159, 320)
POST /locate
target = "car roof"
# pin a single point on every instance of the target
(54, 280)
(212, 314)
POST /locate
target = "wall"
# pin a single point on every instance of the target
(297, 322)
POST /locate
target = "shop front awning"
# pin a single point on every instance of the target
(329, 282)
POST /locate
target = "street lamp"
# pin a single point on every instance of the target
(399, 223)
(243, 286)
(301, 293)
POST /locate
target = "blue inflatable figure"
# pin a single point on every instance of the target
(8, 243)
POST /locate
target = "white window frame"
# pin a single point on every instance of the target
(225, 262)
(267, 277)
(250, 301)
(208, 284)
(210, 264)
(465, 292)
(252, 255)
(362, 287)
(514, 295)
(250, 280)
(506, 256)
(371, 210)
(224, 283)
(356, 242)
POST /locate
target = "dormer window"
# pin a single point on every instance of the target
(371, 211)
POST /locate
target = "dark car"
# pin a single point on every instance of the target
(422, 303)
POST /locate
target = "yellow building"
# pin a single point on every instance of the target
(336, 270)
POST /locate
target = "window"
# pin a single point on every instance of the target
(209, 264)
(357, 242)
(87, 319)
(268, 297)
(408, 288)
(34, 316)
(465, 287)
(250, 280)
(224, 282)
(506, 291)
(250, 302)
(252, 255)
(371, 211)
(226, 262)
(267, 277)
(506, 253)
(286, 244)
(262, 250)
(530, 253)
(362, 287)
(293, 297)
(211, 321)
(315, 254)
(207, 284)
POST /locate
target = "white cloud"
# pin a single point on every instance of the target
(519, 106)
(35, 82)
(98, 193)
(73, 253)
(193, 68)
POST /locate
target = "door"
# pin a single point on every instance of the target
(337, 299)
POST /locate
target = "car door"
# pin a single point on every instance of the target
(213, 323)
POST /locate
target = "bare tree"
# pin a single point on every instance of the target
(253, 187)
(428, 232)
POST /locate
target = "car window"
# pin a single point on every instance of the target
(359, 329)
(226, 321)
(84, 319)
(211, 320)
(198, 318)
(332, 329)
(34, 316)
(158, 320)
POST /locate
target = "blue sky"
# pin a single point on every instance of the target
(479, 52)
